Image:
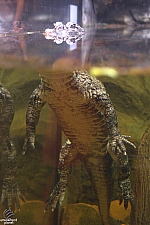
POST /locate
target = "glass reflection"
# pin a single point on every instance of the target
(114, 52)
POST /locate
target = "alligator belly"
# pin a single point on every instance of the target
(81, 122)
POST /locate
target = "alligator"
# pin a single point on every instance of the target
(87, 117)
(10, 189)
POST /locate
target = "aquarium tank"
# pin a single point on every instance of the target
(74, 112)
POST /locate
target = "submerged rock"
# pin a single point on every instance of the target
(83, 214)
(32, 213)
(80, 214)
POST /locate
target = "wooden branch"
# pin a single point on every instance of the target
(141, 211)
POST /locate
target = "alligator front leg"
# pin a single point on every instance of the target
(125, 189)
(10, 189)
(116, 139)
(67, 155)
(117, 150)
(35, 106)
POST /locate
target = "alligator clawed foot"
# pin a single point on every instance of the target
(58, 192)
(117, 142)
(126, 192)
(124, 138)
(11, 192)
(29, 143)
(56, 196)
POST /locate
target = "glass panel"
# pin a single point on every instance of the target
(55, 57)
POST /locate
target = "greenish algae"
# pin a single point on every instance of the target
(82, 214)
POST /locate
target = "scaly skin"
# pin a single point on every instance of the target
(10, 190)
(86, 115)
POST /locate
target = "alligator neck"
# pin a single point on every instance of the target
(55, 80)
